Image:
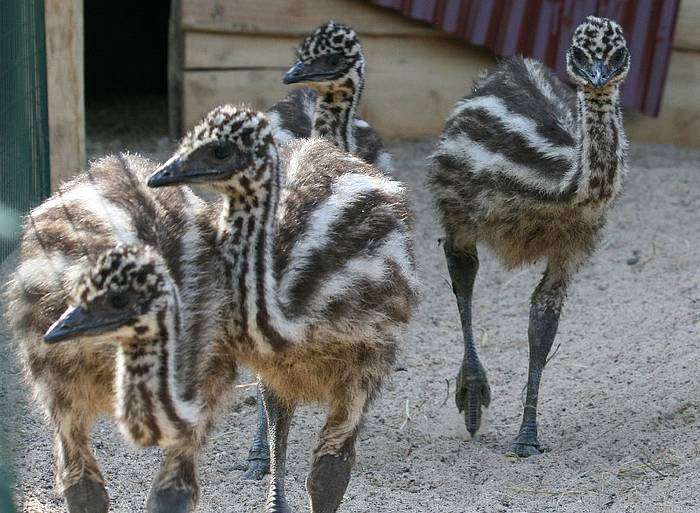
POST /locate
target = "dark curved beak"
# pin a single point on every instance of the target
(175, 172)
(78, 322)
(314, 71)
(295, 74)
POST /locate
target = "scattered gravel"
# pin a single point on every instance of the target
(620, 402)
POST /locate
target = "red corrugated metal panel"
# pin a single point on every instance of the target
(543, 29)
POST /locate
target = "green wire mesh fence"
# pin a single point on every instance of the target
(24, 145)
(25, 178)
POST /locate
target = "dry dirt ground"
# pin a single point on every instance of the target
(620, 401)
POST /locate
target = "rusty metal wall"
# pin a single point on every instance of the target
(543, 29)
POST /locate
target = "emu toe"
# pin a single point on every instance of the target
(472, 395)
(257, 469)
(87, 496)
(170, 500)
(526, 444)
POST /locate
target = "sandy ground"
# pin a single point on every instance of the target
(620, 402)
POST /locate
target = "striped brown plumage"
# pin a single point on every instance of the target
(318, 245)
(74, 383)
(530, 168)
(327, 108)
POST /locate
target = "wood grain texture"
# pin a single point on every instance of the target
(66, 93)
(410, 87)
(679, 120)
(687, 35)
(207, 50)
(295, 17)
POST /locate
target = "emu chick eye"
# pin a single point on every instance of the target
(222, 151)
(617, 58)
(579, 56)
(334, 59)
(119, 300)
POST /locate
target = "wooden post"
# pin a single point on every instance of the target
(175, 63)
(66, 90)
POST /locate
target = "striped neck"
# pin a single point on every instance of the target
(247, 230)
(335, 111)
(602, 144)
(150, 409)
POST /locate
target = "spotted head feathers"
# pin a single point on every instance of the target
(119, 295)
(126, 270)
(229, 146)
(598, 56)
(330, 55)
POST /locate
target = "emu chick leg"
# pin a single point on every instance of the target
(545, 306)
(334, 456)
(175, 488)
(259, 454)
(77, 472)
(279, 418)
(473, 392)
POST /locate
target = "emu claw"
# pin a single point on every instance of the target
(170, 500)
(526, 443)
(86, 496)
(257, 469)
(473, 393)
(524, 450)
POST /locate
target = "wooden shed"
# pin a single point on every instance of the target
(237, 51)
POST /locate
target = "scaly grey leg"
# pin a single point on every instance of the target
(175, 488)
(259, 454)
(279, 417)
(544, 319)
(473, 391)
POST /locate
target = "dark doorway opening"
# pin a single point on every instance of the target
(126, 55)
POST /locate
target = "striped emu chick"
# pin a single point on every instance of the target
(75, 383)
(320, 265)
(130, 299)
(531, 171)
(331, 64)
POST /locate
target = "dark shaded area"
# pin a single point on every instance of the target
(126, 74)
(126, 48)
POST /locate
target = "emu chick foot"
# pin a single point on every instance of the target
(327, 482)
(277, 504)
(256, 469)
(473, 394)
(525, 445)
(87, 496)
(171, 500)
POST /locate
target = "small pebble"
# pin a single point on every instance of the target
(634, 259)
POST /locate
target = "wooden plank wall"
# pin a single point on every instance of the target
(66, 93)
(679, 120)
(237, 51)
